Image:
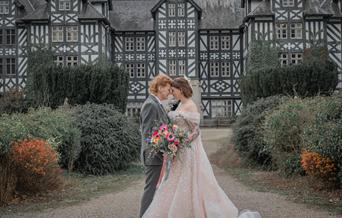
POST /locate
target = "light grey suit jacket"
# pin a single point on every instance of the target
(152, 115)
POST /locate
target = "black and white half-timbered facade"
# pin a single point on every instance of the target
(206, 40)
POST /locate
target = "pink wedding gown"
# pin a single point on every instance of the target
(191, 190)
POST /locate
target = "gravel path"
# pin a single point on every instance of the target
(125, 204)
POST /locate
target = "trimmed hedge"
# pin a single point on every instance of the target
(108, 142)
(50, 85)
(303, 80)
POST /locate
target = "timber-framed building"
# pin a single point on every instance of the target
(206, 40)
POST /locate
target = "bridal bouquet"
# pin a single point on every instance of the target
(168, 139)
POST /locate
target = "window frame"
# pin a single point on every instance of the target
(288, 3)
(130, 69)
(225, 43)
(57, 33)
(59, 60)
(297, 30)
(181, 38)
(225, 65)
(214, 69)
(298, 59)
(181, 67)
(70, 33)
(129, 43)
(181, 9)
(62, 5)
(142, 68)
(282, 28)
(284, 57)
(10, 37)
(72, 62)
(10, 66)
(140, 43)
(172, 67)
(172, 10)
(4, 7)
(172, 38)
(214, 43)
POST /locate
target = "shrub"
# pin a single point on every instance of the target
(55, 126)
(50, 85)
(36, 166)
(109, 143)
(283, 129)
(248, 136)
(324, 134)
(303, 80)
(317, 165)
(8, 179)
(13, 102)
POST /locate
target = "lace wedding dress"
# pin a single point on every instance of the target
(191, 190)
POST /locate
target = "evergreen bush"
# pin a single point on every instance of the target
(108, 141)
(248, 136)
(50, 85)
(316, 75)
(324, 134)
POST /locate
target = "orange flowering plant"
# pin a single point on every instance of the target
(317, 165)
(36, 165)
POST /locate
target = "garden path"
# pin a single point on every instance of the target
(125, 204)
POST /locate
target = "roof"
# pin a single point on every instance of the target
(319, 7)
(263, 9)
(132, 15)
(40, 13)
(136, 15)
(220, 14)
(88, 12)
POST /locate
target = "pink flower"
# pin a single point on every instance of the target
(176, 142)
(155, 134)
(164, 128)
(170, 137)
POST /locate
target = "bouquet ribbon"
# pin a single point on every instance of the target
(165, 170)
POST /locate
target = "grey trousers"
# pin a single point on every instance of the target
(152, 174)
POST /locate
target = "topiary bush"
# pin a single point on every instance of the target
(108, 141)
(36, 166)
(248, 137)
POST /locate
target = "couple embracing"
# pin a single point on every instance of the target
(191, 190)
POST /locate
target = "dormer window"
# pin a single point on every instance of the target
(64, 5)
(288, 3)
(172, 10)
(4, 7)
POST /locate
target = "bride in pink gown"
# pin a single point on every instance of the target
(191, 190)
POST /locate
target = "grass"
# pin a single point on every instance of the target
(78, 188)
(297, 189)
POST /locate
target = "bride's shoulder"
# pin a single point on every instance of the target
(191, 107)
